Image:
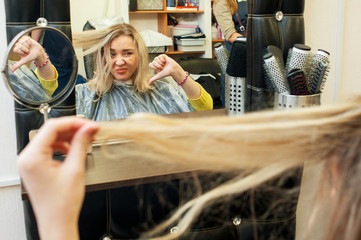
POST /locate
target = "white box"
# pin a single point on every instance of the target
(191, 41)
(191, 48)
(149, 5)
(179, 31)
(157, 49)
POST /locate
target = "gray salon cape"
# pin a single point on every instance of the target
(25, 84)
(121, 101)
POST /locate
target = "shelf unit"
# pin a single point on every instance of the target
(214, 41)
(158, 21)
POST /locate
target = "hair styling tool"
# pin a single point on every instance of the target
(299, 57)
(321, 55)
(319, 77)
(297, 82)
(279, 57)
(277, 52)
(276, 73)
(231, 92)
(222, 56)
(236, 69)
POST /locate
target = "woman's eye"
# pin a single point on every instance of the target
(112, 54)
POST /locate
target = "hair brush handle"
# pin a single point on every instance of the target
(297, 81)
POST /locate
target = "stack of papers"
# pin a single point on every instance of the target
(191, 42)
(180, 30)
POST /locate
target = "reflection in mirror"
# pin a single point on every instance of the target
(40, 66)
(122, 84)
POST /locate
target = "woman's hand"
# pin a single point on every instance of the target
(29, 50)
(166, 66)
(56, 189)
(234, 37)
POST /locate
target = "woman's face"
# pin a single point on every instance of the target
(124, 61)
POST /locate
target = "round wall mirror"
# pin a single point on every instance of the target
(40, 67)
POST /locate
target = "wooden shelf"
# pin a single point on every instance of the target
(217, 40)
(162, 11)
(162, 21)
(180, 52)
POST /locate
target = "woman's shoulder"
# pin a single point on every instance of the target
(83, 89)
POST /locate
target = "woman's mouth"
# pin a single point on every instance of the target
(122, 70)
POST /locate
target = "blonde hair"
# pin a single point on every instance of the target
(98, 42)
(233, 6)
(265, 143)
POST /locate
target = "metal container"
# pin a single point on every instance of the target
(296, 101)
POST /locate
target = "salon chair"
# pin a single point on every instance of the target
(270, 22)
(204, 67)
(88, 59)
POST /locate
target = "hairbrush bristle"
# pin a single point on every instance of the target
(318, 78)
(313, 78)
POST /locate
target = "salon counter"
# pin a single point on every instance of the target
(104, 172)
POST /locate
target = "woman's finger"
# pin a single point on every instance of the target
(75, 160)
(58, 130)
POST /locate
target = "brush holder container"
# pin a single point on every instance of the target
(270, 22)
(284, 101)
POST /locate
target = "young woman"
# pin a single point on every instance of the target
(122, 84)
(231, 16)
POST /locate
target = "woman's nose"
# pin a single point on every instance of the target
(119, 60)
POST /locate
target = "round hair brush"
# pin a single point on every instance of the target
(275, 73)
(299, 57)
(222, 56)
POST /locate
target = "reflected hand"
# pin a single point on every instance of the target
(234, 37)
(56, 189)
(29, 50)
(164, 66)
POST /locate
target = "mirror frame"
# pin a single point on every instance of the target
(60, 97)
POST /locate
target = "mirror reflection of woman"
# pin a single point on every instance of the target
(122, 83)
(60, 53)
(38, 84)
